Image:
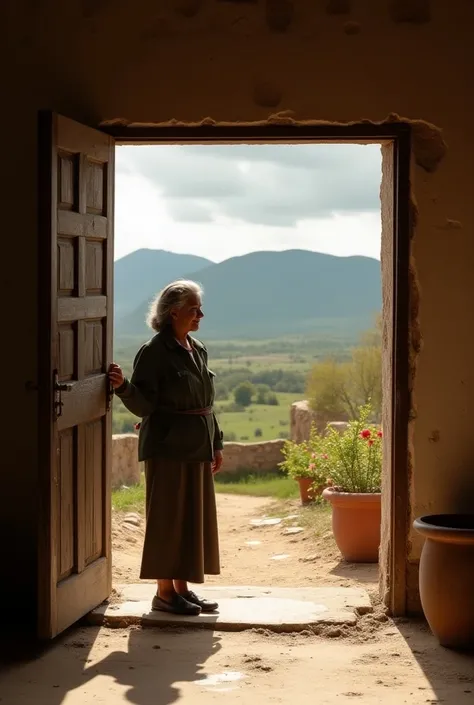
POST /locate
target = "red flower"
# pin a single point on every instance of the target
(365, 433)
(370, 442)
(379, 434)
(325, 456)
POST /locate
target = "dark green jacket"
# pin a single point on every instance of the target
(165, 380)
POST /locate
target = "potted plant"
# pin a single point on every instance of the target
(304, 462)
(354, 467)
(447, 577)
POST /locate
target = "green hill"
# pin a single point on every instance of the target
(267, 294)
(142, 273)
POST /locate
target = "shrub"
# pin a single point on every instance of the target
(355, 456)
(307, 459)
(243, 393)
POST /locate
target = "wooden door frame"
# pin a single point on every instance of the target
(399, 134)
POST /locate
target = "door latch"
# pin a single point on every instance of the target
(58, 389)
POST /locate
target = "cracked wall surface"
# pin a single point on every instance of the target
(232, 62)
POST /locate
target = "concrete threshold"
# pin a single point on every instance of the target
(241, 608)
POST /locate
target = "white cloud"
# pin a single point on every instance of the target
(222, 219)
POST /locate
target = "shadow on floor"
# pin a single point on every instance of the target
(450, 673)
(146, 671)
(360, 572)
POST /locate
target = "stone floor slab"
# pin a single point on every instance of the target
(240, 608)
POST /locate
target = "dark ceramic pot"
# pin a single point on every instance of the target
(447, 577)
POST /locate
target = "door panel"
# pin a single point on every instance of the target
(76, 234)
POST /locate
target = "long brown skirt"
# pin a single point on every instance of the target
(181, 539)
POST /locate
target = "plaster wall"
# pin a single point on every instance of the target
(189, 60)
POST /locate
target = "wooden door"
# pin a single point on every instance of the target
(76, 200)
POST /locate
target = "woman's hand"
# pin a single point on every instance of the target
(116, 375)
(217, 462)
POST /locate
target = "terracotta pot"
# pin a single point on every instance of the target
(356, 524)
(447, 577)
(308, 494)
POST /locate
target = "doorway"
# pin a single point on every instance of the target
(395, 218)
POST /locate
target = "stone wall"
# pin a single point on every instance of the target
(301, 419)
(125, 465)
(257, 457)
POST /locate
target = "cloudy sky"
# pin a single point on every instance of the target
(227, 200)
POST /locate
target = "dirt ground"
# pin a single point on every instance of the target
(378, 660)
(93, 666)
(255, 555)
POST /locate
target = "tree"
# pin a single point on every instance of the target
(243, 393)
(326, 388)
(336, 388)
(262, 393)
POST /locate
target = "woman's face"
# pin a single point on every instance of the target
(188, 317)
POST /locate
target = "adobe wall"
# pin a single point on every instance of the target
(242, 62)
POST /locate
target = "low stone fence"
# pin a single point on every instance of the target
(302, 417)
(125, 466)
(255, 457)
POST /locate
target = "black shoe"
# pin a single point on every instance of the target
(176, 605)
(204, 605)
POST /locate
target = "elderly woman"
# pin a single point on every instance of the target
(172, 390)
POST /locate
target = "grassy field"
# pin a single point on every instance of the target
(272, 421)
(132, 499)
(281, 364)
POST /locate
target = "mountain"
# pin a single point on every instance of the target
(269, 294)
(142, 273)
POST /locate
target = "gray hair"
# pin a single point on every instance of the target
(172, 296)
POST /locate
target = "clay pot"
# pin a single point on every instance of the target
(447, 577)
(306, 492)
(356, 524)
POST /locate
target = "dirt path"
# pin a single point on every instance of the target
(256, 555)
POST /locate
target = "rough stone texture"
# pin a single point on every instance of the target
(258, 457)
(125, 465)
(429, 147)
(302, 418)
(240, 608)
(63, 62)
(339, 426)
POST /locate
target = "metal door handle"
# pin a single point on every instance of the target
(59, 388)
(63, 387)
